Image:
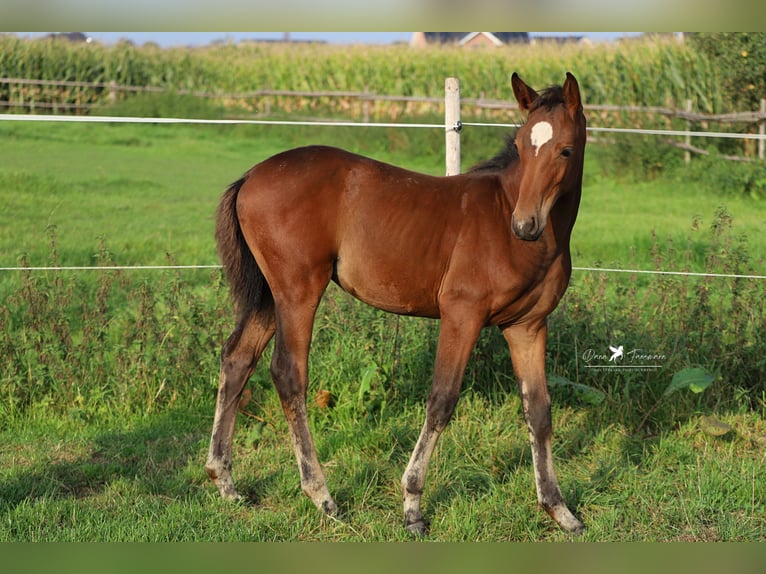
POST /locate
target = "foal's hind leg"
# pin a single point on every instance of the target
(239, 356)
(527, 346)
(289, 370)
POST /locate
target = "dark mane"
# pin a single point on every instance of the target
(548, 98)
(502, 159)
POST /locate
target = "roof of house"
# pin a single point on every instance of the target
(464, 37)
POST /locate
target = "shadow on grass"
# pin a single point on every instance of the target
(152, 455)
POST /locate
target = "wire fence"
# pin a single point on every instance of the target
(340, 123)
(216, 266)
(443, 126)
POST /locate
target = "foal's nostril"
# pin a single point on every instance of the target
(526, 229)
(526, 226)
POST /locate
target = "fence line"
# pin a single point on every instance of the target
(757, 117)
(646, 131)
(136, 120)
(676, 273)
(480, 102)
(452, 127)
(326, 123)
(109, 267)
(217, 266)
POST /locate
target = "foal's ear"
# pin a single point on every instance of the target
(524, 94)
(572, 96)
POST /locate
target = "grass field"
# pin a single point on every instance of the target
(107, 391)
(150, 191)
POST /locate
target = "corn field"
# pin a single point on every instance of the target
(650, 72)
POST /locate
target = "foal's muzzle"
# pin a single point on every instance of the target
(528, 228)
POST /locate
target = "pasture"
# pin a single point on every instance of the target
(108, 379)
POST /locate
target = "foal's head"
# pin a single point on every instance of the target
(551, 146)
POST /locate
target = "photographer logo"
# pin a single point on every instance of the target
(618, 357)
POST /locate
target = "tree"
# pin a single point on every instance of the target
(740, 61)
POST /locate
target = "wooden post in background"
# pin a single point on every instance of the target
(687, 154)
(366, 106)
(452, 123)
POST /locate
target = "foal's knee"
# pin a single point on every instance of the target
(234, 367)
(230, 345)
(235, 361)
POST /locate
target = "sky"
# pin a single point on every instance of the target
(168, 39)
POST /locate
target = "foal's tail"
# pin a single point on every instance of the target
(248, 286)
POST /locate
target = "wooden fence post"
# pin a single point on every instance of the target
(366, 106)
(762, 130)
(452, 123)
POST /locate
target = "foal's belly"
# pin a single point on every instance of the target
(394, 288)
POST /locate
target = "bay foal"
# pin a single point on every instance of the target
(489, 247)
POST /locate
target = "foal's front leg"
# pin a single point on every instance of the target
(527, 346)
(457, 337)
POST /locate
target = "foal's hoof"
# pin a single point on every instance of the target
(574, 527)
(225, 486)
(232, 496)
(417, 528)
(329, 507)
(565, 519)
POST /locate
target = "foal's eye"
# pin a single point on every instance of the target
(567, 152)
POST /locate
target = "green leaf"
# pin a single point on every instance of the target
(584, 392)
(365, 385)
(714, 427)
(696, 379)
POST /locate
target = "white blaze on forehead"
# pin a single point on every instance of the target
(542, 132)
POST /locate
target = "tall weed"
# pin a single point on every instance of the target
(672, 323)
(95, 343)
(725, 177)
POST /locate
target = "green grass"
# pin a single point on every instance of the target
(619, 220)
(152, 190)
(108, 378)
(136, 188)
(148, 191)
(141, 478)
